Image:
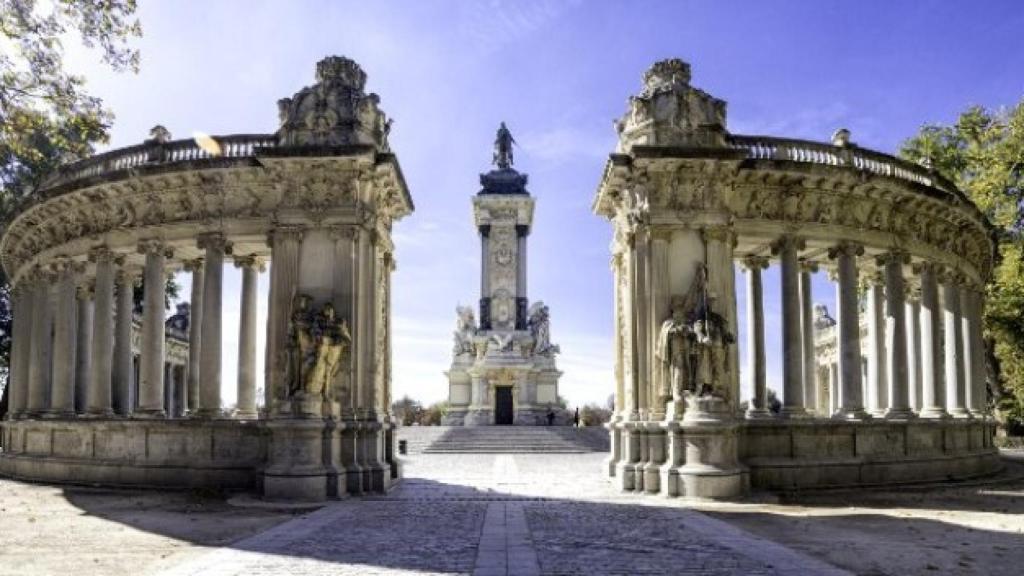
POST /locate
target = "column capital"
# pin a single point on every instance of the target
(754, 262)
(845, 249)
(155, 246)
(102, 253)
(720, 233)
(895, 256)
(949, 275)
(250, 261)
(127, 275)
(874, 277)
(286, 232)
(809, 266)
(925, 266)
(215, 241)
(192, 265)
(788, 241)
(342, 232)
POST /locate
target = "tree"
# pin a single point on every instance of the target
(983, 154)
(46, 116)
(406, 410)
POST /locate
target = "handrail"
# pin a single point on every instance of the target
(152, 153)
(806, 151)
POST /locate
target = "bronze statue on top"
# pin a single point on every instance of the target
(503, 148)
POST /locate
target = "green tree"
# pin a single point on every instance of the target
(983, 153)
(46, 116)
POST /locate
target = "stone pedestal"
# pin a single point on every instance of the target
(302, 464)
(706, 441)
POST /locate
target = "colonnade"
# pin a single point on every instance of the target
(924, 354)
(72, 336)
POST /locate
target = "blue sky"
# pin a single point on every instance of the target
(557, 72)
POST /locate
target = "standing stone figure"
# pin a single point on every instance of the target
(712, 340)
(300, 345)
(673, 352)
(503, 148)
(332, 341)
(465, 329)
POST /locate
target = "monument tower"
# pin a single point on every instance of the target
(503, 371)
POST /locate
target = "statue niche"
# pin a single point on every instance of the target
(693, 345)
(318, 346)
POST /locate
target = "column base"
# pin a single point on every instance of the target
(98, 413)
(245, 415)
(899, 414)
(851, 414)
(759, 414)
(933, 414)
(58, 414)
(959, 413)
(149, 414)
(479, 418)
(794, 412)
(207, 414)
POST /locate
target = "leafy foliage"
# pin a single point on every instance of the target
(46, 117)
(983, 153)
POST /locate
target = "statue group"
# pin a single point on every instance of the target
(318, 345)
(693, 345)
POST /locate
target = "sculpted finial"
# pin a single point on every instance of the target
(503, 148)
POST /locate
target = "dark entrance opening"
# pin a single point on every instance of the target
(503, 405)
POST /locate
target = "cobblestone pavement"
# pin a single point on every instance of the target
(503, 514)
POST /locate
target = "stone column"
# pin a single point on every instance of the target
(41, 363)
(521, 298)
(124, 371)
(933, 395)
(758, 406)
(848, 332)
(896, 335)
(659, 311)
(912, 315)
(978, 364)
(878, 390)
(151, 354)
(807, 335)
(792, 338)
(953, 345)
(251, 267)
(102, 333)
(833, 388)
(485, 277)
(195, 330)
(970, 328)
(215, 246)
(285, 242)
(62, 398)
(21, 296)
(83, 355)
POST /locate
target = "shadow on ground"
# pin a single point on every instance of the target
(426, 525)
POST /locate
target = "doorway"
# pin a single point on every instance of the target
(503, 405)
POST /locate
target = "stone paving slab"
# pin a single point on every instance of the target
(491, 515)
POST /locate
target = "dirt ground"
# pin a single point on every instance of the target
(85, 532)
(975, 528)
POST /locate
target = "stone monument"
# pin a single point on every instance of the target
(503, 371)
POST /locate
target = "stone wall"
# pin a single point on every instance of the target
(217, 454)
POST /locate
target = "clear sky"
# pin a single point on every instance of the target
(557, 72)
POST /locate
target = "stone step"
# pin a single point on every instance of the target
(518, 439)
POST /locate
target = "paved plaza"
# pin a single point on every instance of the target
(515, 514)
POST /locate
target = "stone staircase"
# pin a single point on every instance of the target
(516, 439)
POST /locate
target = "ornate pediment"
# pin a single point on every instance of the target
(670, 112)
(335, 111)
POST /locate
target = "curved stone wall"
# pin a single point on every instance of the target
(690, 202)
